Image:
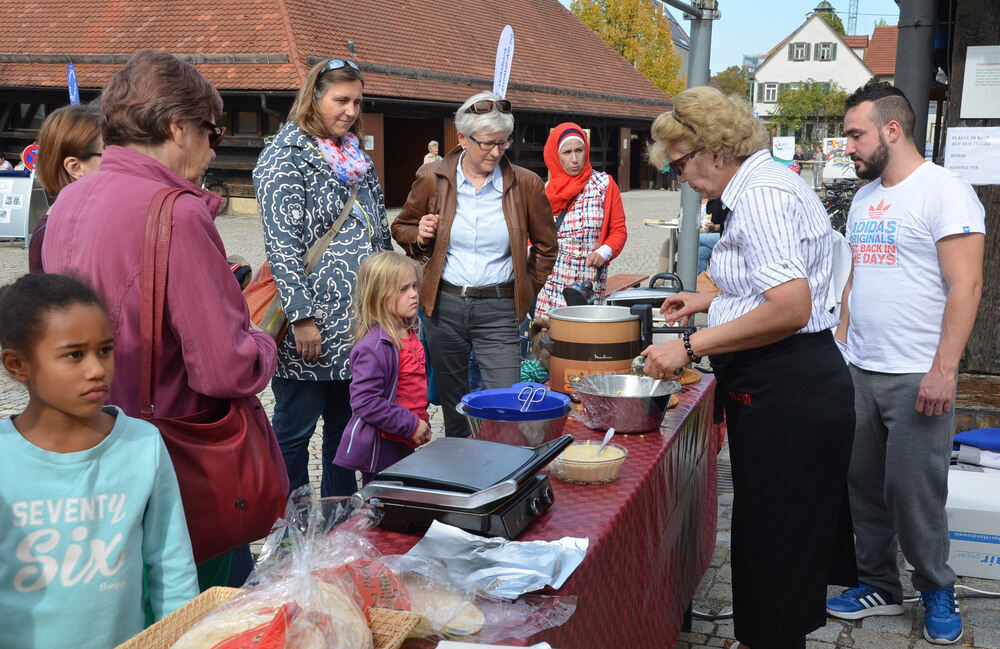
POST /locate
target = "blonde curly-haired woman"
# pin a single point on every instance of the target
(784, 387)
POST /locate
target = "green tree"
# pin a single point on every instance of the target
(833, 20)
(811, 103)
(733, 80)
(640, 32)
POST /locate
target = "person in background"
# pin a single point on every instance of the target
(305, 177)
(471, 216)
(786, 393)
(797, 160)
(904, 355)
(713, 226)
(107, 479)
(432, 152)
(589, 216)
(158, 123)
(69, 148)
(389, 385)
(5, 164)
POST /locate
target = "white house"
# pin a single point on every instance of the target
(814, 52)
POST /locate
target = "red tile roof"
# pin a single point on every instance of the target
(416, 49)
(881, 55)
(856, 42)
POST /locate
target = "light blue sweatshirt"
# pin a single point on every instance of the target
(76, 530)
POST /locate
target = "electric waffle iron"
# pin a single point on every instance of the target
(482, 487)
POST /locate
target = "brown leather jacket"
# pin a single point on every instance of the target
(526, 210)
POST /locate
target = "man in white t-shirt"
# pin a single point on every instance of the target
(917, 234)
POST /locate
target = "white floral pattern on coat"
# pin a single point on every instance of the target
(299, 198)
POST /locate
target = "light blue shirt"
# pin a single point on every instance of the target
(76, 531)
(479, 247)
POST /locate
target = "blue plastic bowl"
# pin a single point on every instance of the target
(502, 404)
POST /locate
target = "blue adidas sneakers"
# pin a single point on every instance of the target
(942, 618)
(861, 601)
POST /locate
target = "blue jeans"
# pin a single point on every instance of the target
(706, 241)
(298, 405)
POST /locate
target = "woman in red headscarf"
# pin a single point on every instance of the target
(590, 218)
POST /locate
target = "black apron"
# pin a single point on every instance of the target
(789, 410)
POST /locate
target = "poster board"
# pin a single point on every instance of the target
(974, 154)
(21, 204)
(981, 86)
(783, 149)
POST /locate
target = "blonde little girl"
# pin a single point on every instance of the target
(388, 369)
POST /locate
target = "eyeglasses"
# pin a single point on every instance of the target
(678, 165)
(336, 64)
(88, 155)
(484, 106)
(486, 147)
(215, 133)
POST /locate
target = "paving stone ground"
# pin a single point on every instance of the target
(242, 235)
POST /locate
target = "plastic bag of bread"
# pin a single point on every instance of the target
(298, 612)
(293, 600)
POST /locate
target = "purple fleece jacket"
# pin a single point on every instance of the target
(375, 374)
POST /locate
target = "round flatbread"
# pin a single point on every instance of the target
(674, 401)
(443, 613)
(689, 376)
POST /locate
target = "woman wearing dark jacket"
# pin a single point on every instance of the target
(304, 178)
(471, 215)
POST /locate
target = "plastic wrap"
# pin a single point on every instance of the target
(296, 599)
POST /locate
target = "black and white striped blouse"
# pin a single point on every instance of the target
(777, 231)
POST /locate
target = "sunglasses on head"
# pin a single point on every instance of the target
(484, 106)
(336, 64)
(215, 133)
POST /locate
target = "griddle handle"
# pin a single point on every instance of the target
(424, 496)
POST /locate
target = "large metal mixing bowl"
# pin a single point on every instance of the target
(627, 402)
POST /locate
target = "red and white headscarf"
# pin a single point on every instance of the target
(562, 187)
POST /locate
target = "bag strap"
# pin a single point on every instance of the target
(315, 251)
(152, 291)
(562, 215)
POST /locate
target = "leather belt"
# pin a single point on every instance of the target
(495, 291)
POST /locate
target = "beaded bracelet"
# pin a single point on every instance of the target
(687, 348)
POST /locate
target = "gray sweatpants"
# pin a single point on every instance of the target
(898, 483)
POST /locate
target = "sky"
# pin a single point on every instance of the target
(754, 27)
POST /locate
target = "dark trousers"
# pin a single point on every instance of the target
(790, 418)
(298, 405)
(463, 324)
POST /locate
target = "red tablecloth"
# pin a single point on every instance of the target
(651, 533)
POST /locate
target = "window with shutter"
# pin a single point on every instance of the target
(770, 92)
(760, 92)
(816, 51)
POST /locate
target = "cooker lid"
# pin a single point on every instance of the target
(468, 465)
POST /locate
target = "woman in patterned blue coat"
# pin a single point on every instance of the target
(303, 179)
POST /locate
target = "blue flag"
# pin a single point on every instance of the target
(74, 89)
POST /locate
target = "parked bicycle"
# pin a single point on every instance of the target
(837, 201)
(213, 183)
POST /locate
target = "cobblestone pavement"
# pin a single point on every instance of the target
(242, 235)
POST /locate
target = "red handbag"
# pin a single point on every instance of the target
(232, 486)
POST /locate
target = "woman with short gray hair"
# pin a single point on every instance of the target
(470, 216)
(432, 152)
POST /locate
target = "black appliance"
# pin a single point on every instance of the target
(482, 487)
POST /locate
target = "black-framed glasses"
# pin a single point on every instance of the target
(678, 165)
(215, 133)
(486, 147)
(336, 64)
(484, 106)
